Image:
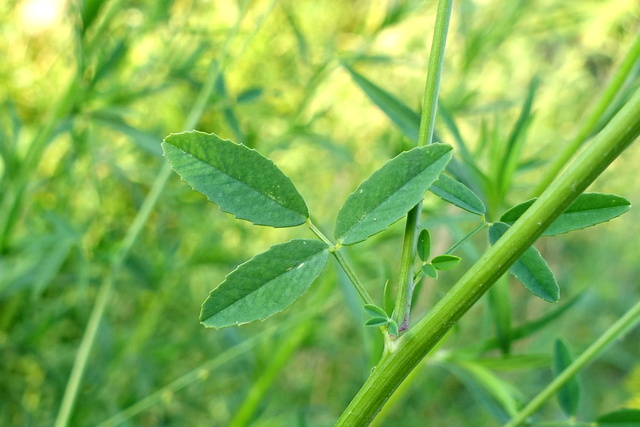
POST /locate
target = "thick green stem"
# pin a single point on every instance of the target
(589, 125)
(630, 319)
(425, 137)
(619, 133)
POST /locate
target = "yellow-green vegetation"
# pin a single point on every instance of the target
(106, 256)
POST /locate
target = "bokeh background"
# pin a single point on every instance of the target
(88, 89)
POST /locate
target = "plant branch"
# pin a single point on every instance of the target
(619, 133)
(425, 137)
(630, 319)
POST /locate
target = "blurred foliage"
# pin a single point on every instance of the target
(88, 90)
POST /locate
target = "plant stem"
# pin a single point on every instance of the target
(589, 125)
(116, 261)
(320, 235)
(630, 319)
(218, 360)
(366, 298)
(91, 332)
(619, 133)
(420, 274)
(335, 250)
(466, 238)
(434, 73)
(405, 287)
(425, 137)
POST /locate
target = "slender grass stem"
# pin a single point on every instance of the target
(88, 339)
(283, 351)
(203, 370)
(425, 137)
(91, 331)
(589, 125)
(416, 343)
(629, 320)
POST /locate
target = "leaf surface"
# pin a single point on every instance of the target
(445, 262)
(626, 417)
(238, 179)
(587, 210)
(390, 192)
(424, 245)
(458, 194)
(569, 393)
(530, 269)
(266, 284)
(407, 120)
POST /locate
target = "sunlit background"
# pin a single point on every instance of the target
(88, 89)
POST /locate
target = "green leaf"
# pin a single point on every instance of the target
(377, 321)
(392, 327)
(445, 262)
(527, 329)
(530, 269)
(587, 210)
(569, 393)
(249, 95)
(375, 311)
(620, 418)
(458, 194)
(238, 179)
(387, 298)
(407, 120)
(424, 245)
(499, 397)
(266, 284)
(429, 270)
(518, 362)
(389, 193)
(501, 312)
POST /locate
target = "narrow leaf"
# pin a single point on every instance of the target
(458, 194)
(527, 329)
(389, 193)
(518, 362)
(377, 321)
(392, 327)
(587, 210)
(445, 262)
(569, 393)
(387, 298)
(238, 179)
(620, 418)
(424, 245)
(501, 312)
(266, 284)
(407, 120)
(493, 392)
(530, 269)
(430, 271)
(374, 311)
